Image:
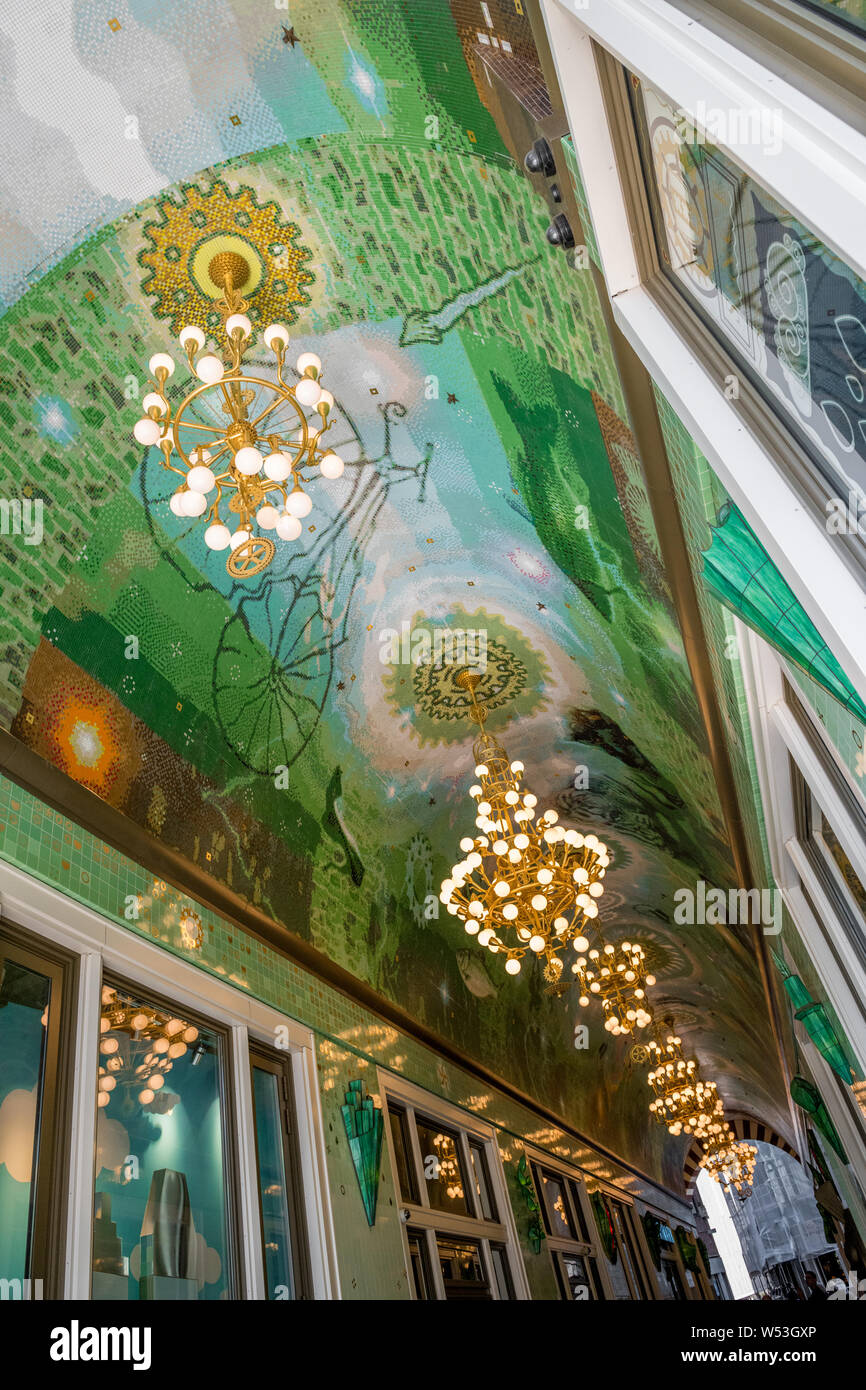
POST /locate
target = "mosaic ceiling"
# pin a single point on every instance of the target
(492, 484)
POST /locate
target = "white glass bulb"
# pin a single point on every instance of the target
(299, 503)
(530, 799)
(544, 875)
(191, 334)
(332, 466)
(267, 517)
(466, 844)
(200, 478)
(481, 770)
(536, 943)
(176, 503)
(521, 841)
(484, 936)
(276, 333)
(217, 537)
(513, 966)
(512, 798)
(240, 321)
(161, 359)
(517, 766)
(209, 369)
(146, 431)
(288, 526)
(278, 467)
(194, 503)
(308, 362)
(325, 403)
(248, 461)
(514, 856)
(146, 1096)
(560, 925)
(238, 538)
(153, 400)
(308, 391)
(509, 911)
(501, 888)
(596, 889)
(539, 902)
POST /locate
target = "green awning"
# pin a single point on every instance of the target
(741, 574)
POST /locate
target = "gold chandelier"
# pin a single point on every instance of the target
(729, 1162)
(616, 976)
(525, 884)
(682, 1101)
(243, 437)
(138, 1046)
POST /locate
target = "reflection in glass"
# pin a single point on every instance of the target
(406, 1183)
(501, 1272)
(24, 1001)
(791, 312)
(421, 1280)
(273, 1189)
(462, 1270)
(443, 1171)
(486, 1204)
(553, 1190)
(160, 1222)
(578, 1285)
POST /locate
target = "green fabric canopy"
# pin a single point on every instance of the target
(741, 574)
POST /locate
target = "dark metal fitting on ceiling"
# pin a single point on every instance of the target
(539, 160)
(559, 232)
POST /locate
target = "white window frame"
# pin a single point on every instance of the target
(99, 946)
(820, 176)
(421, 1216)
(778, 738)
(538, 1158)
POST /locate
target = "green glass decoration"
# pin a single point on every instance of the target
(652, 1231)
(535, 1230)
(814, 1018)
(740, 573)
(365, 1128)
(808, 1097)
(604, 1222)
(688, 1249)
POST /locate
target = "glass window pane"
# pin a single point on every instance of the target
(627, 1252)
(553, 1193)
(24, 1003)
(501, 1272)
(790, 311)
(273, 1185)
(577, 1280)
(160, 1227)
(834, 854)
(443, 1169)
(486, 1204)
(422, 1283)
(406, 1183)
(462, 1269)
(851, 13)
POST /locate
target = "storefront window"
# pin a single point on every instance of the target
(443, 1170)
(784, 305)
(160, 1228)
(25, 999)
(279, 1218)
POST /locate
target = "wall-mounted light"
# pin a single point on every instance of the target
(539, 160)
(559, 232)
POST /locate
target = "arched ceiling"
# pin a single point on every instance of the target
(483, 419)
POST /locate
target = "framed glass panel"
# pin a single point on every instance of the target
(406, 1181)
(442, 1164)
(576, 1277)
(462, 1268)
(560, 1221)
(483, 1190)
(628, 1253)
(25, 999)
(501, 1272)
(283, 1245)
(161, 1228)
(32, 1115)
(850, 13)
(786, 308)
(419, 1265)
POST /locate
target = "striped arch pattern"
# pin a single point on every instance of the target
(744, 1127)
